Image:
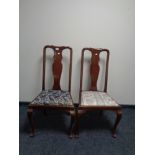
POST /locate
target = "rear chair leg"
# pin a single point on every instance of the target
(45, 112)
(118, 118)
(29, 114)
(76, 130)
(100, 112)
(71, 134)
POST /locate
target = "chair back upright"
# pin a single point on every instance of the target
(94, 68)
(57, 66)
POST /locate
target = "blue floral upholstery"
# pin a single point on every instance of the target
(53, 97)
(96, 98)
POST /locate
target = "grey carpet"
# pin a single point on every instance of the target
(95, 134)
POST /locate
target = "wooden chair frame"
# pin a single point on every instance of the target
(94, 72)
(57, 70)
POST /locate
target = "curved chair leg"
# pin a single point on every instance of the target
(29, 114)
(118, 118)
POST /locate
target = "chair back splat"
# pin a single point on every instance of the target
(94, 68)
(56, 66)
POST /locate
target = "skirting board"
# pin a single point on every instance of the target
(25, 103)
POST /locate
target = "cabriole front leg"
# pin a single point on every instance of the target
(118, 118)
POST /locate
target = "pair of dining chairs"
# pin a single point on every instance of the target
(89, 100)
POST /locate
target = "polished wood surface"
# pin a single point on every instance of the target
(94, 73)
(94, 68)
(57, 68)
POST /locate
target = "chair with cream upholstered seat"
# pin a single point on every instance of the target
(93, 99)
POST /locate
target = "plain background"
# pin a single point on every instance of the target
(77, 23)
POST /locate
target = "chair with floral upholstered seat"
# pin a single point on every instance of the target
(93, 99)
(53, 98)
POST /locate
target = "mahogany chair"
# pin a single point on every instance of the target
(54, 98)
(93, 99)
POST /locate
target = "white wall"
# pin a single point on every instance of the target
(78, 23)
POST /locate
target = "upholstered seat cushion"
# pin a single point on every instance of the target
(96, 98)
(53, 97)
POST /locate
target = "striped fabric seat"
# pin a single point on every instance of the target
(96, 98)
(53, 97)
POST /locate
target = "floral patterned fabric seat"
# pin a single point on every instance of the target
(53, 97)
(96, 98)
